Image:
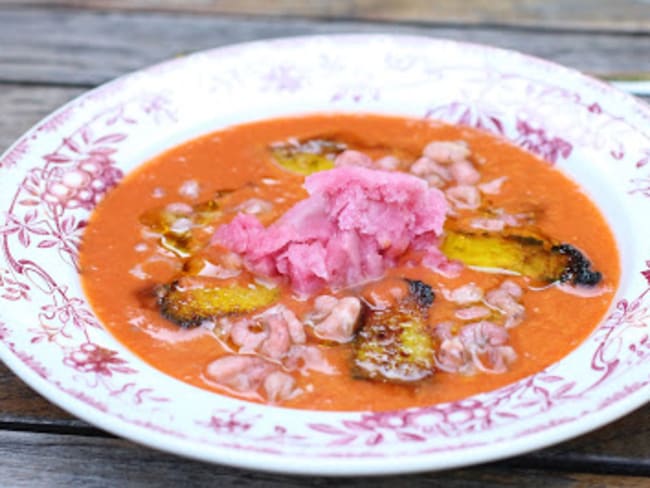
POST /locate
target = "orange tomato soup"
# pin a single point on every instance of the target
(121, 266)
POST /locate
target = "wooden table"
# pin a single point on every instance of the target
(51, 51)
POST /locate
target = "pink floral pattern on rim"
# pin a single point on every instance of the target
(59, 171)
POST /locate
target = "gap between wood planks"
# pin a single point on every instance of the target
(47, 426)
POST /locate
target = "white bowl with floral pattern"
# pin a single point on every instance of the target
(51, 339)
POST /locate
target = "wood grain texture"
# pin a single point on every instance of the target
(23, 106)
(619, 15)
(19, 403)
(33, 460)
(88, 47)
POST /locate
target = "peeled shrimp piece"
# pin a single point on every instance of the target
(486, 338)
(512, 288)
(350, 157)
(500, 357)
(473, 313)
(307, 358)
(295, 327)
(482, 335)
(466, 294)
(435, 174)
(447, 152)
(452, 356)
(338, 325)
(488, 224)
(444, 330)
(464, 197)
(492, 187)
(271, 333)
(504, 300)
(388, 163)
(244, 334)
(279, 386)
(241, 373)
(464, 173)
(323, 305)
(278, 341)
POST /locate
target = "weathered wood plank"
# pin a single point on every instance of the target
(623, 446)
(22, 107)
(19, 403)
(33, 460)
(89, 47)
(629, 15)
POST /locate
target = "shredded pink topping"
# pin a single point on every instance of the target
(356, 223)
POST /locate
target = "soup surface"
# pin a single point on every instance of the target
(510, 293)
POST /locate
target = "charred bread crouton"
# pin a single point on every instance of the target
(189, 301)
(394, 343)
(527, 254)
